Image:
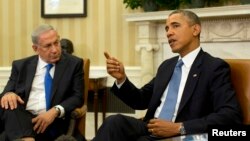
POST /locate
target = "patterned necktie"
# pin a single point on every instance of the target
(48, 85)
(168, 108)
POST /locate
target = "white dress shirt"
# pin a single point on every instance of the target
(37, 102)
(187, 63)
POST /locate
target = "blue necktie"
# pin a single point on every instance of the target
(48, 85)
(168, 108)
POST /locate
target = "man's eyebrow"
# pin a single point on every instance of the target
(166, 27)
(174, 23)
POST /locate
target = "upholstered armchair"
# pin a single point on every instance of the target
(78, 116)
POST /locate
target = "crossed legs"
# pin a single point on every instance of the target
(122, 128)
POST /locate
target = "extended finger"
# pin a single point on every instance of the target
(113, 69)
(112, 61)
(35, 126)
(39, 130)
(13, 102)
(6, 106)
(106, 55)
(113, 64)
(20, 100)
(2, 103)
(42, 127)
(37, 123)
(151, 130)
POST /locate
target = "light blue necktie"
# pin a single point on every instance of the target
(168, 108)
(48, 85)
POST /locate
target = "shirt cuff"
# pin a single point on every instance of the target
(120, 85)
(62, 111)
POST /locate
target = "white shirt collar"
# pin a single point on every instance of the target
(41, 64)
(190, 57)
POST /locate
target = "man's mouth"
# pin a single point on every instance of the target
(171, 42)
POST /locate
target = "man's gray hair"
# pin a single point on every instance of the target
(39, 30)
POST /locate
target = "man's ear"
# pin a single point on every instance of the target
(34, 47)
(197, 29)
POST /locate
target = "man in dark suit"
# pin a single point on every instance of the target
(23, 100)
(205, 96)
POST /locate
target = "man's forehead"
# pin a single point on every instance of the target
(49, 40)
(176, 18)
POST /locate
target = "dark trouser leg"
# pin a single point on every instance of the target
(1, 122)
(2, 134)
(121, 128)
(18, 123)
(145, 138)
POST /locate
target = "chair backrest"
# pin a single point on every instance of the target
(86, 68)
(240, 74)
(82, 121)
(78, 116)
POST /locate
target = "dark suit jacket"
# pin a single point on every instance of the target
(208, 97)
(67, 86)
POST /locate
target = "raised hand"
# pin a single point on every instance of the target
(115, 68)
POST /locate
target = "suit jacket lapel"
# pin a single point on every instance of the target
(30, 73)
(165, 78)
(58, 75)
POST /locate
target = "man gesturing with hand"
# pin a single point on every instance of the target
(204, 96)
